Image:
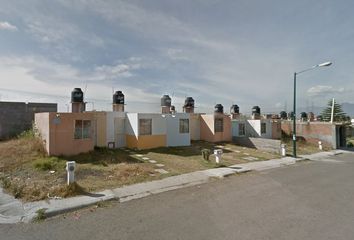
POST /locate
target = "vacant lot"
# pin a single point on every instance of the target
(29, 174)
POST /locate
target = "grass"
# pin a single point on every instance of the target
(29, 174)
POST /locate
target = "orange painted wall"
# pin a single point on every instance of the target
(146, 141)
(207, 129)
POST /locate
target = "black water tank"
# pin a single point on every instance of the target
(283, 115)
(303, 115)
(173, 108)
(118, 97)
(189, 102)
(256, 110)
(219, 108)
(77, 95)
(166, 101)
(291, 115)
(234, 109)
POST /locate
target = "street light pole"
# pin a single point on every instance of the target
(325, 64)
(294, 118)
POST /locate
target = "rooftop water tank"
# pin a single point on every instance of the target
(303, 115)
(118, 97)
(218, 108)
(165, 101)
(256, 110)
(77, 95)
(234, 109)
(283, 115)
(291, 115)
(189, 102)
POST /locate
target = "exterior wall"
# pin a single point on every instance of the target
(194, 126)
(16, 117)
(276, 129)
(116, 129)
(100, 129)
(42, 126)
(174, 137)
(313, 132)
(253, 128)
(61, 132)
(207, 132)
(271, 145)
(158, 131)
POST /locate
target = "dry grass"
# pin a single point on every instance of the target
(25, 170)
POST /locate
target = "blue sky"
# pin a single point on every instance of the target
(217, 51)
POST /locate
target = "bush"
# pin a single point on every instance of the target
(29, 134)
(46, 164)
(206, 154)
(350, 144)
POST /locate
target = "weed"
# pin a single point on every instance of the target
(46, 164)
(5, 182)
(206, 154)
(40, 215)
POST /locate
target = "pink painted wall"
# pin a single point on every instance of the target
(58, 132)
(207, 129)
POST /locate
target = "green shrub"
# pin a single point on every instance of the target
(28, 134)
(206, 154)
(46, 164)
(350, 144)
(41, 215)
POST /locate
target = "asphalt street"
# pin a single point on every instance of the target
(307, 200)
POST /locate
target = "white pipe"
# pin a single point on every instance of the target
(332, 113)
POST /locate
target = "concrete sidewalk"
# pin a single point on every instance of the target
(13, 211)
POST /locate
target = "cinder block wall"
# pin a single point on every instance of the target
(313, 132)
(16, 117)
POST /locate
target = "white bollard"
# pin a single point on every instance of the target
(283, 150)
(217, 153)
(70, 168)
(320, 145)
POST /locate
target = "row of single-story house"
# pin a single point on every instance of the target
(80, 131)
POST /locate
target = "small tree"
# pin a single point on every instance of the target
(338, 114)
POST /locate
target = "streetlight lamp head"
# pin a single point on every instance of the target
(325, 64)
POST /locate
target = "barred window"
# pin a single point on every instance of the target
(145, 126)
(184, 126)
(263, 128)
(82, 129)
(219, 125)
(241, 129)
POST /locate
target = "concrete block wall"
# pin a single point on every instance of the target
(16, 117)
(271, 145)
(313, 132)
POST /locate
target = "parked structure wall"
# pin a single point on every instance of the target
(16, 117)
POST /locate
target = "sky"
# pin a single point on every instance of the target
(217, 51)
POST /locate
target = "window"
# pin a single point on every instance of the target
(184, 126)
(82, 129)
(263, 128)
(145, 126)
(219, 125)
(241, 129)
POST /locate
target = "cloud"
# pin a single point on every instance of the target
(321, 90)
(7, 26)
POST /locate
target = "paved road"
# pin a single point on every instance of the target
(308, 200)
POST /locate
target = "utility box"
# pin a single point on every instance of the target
(70, 169)
(218, 154)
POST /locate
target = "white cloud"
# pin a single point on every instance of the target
(7, 26)
(321, 90)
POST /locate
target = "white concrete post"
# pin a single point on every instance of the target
(218, 153)
(320, 145)
(283, 150)
(70, 168)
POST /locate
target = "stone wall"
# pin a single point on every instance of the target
(16, 117)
